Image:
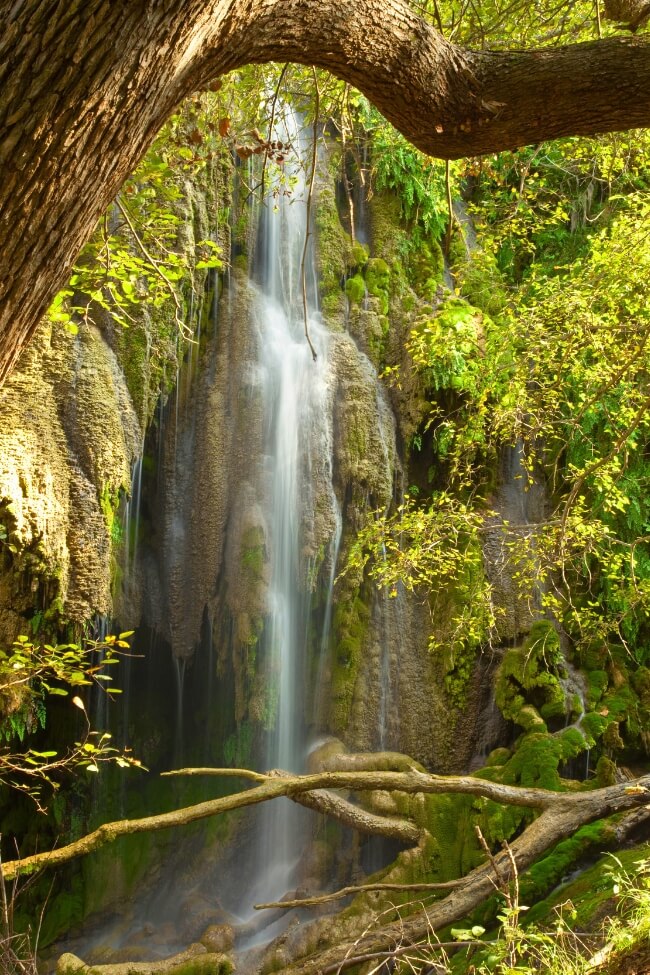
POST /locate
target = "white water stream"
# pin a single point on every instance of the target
(295, 393)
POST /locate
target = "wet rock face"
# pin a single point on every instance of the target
(520, 504)
(68, 439)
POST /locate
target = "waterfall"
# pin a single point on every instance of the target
(294, 391)
(265, 459)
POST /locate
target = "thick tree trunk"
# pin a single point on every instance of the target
(86, 84)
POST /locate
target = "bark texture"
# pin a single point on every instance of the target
(86, 84)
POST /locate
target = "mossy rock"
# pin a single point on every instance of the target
(498, 756)
(531, 673)
(355, 289)
(378, 282)
(253, 553)
(359, 254)
(641, 684)
(350, 626)
(334, 255)
(588, 892)
(597, 682)
(538, 757)
(605, 772)
(387, 230)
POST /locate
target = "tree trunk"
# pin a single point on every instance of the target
(86, 84)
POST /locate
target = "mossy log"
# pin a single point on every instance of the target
(194, 961)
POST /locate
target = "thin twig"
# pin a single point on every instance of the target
(436, 13)
(488, 852)
(183, 328)
(450, 207)
(274, 103)
(310, 194)
(344, 151)
(3, 891)
(244, 773)
(362, 889)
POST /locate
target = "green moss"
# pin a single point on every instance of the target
(240, 229)
(547, 873)
(499, 756)
(538, 757)
(593, 656)
(253, 553)
(612, 740)
(589, 892)
(387, 230)
(238, 748)
(605, 772)
(457, 250)
(426, 270)
(355, 289)
(378, 282)
(597, 682)
(593, 726)
(350, 625)
(641, 684)
(335, 256)
(531, 673)
(358, 255)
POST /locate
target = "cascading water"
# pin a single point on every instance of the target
(294, 391)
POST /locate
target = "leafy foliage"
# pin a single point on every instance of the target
(542, 352)
(29, 675)
(136, 256)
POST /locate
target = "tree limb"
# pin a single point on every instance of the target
(73, 128)
(555, 824)
(361, 889)
(328, 803)
(560, 810)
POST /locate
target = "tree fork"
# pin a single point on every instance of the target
(86, 84)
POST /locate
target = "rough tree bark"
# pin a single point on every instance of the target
(86, 84)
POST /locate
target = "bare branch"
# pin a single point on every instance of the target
(361, 889)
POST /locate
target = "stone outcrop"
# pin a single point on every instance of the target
(69, 437)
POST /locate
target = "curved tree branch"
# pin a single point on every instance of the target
(551, 827)
(85, 86)
(337, 895)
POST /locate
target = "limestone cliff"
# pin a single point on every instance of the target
(69, 436)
